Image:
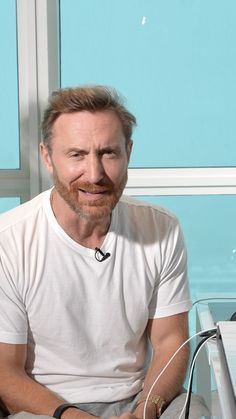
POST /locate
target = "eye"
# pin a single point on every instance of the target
(109, 153)
(76, 155)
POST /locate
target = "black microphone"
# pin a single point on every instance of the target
(100, 256)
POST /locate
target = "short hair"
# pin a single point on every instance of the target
(92, 98)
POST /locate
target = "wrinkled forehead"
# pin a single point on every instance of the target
(102, 126)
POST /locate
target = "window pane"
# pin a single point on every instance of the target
(8, 203)
(9, 139)
(175, 62)
(209, 227)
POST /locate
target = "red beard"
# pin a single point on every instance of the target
(94, 209)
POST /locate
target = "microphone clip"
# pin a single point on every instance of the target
(100, 256)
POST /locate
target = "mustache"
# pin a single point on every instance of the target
(93, 188)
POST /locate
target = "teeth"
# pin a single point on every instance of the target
(98, 192)
(91, 192)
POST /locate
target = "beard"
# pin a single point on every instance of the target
(93, 210)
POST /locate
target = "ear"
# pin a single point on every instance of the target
(46, 158)
(129, 148)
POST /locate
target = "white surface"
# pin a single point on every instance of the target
(212, 362)
(228, 336)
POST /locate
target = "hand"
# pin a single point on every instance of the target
(138, 413)
(73, 413)
(150, 412)
(126, 415)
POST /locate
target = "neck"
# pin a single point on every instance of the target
(86, 232)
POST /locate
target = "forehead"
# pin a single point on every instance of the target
(84, 124)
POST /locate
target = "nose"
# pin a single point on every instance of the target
(94, 169)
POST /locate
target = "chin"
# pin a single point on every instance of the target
(94, 215)
(96, 211)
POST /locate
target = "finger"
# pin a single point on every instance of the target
(127, 415)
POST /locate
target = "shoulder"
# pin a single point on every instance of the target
(135, 207)
(20, 215)
(146, 222)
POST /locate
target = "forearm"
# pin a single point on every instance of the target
(170, 383)
(20, 393)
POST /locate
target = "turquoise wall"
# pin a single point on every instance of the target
(175, 62)
(6, 203)
(209, 226)
(9, 139)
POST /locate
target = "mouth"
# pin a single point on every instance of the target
(93, 195)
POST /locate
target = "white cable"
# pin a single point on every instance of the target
(168, 363)
(191, 372)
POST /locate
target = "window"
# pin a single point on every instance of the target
(177, 68)
(26, 79)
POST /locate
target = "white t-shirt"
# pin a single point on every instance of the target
(84, 320)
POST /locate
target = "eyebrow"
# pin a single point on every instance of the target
(76, 150)
(100, 150)
(109, 148)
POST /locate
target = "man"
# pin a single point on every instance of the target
(88, 276)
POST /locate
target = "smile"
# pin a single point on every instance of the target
(93, 195)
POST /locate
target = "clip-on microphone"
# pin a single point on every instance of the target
(100, 256)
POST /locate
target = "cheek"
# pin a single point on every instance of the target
(68, 172)
(117, 173)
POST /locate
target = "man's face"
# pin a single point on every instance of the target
(88, 161)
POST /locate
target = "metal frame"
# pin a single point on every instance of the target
(39, 74)
(187, 181)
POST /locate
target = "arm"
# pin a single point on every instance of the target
(18, 392)
(166, 335)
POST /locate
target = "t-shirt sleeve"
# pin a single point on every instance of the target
(13, 318)
(171, 292)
